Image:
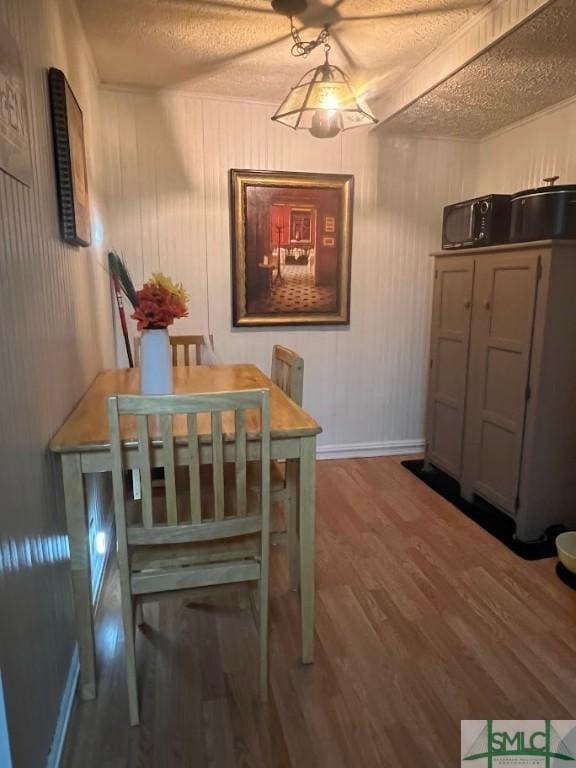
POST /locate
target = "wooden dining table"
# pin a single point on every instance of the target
(84, 448)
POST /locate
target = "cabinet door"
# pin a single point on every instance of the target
(453, 280)
(501, 342)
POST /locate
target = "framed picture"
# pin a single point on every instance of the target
(70, 156)
(284, 272)
(14, 137)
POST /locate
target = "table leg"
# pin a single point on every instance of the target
(307, 504)
(293, 485)
(80, 564)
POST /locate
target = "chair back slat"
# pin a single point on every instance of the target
(288, 372)
(159, 516)
(194, 469)
(186, 343)
(200, 403)
(144, 466)
(169, 468)
(240, 463)
(217, 465)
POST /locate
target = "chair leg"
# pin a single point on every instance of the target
(130, 656)
(139, 615)
(263, 637)
(291, 508)
(293, 545)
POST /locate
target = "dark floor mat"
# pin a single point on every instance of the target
(485, 515)
(566, 576)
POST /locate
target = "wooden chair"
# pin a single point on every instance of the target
(197, 530)
(287, 373)
(184, 343)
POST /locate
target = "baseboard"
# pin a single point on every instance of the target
(67, 702)
(366, 450)
(55, 754)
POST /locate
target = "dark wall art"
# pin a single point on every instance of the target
(70, 155)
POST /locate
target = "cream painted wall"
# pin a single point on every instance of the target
(167, 161)
(55, 334)
(520, 156)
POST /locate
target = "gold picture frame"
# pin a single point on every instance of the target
(284, 272)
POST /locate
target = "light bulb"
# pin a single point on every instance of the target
(326, 123)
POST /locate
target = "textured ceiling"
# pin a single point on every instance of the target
(241, 48)
(529, 70)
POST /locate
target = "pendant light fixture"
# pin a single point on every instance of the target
(323, 101)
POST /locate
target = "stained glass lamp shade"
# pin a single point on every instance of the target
(324, 103)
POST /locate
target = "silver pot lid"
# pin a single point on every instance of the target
(548, 189)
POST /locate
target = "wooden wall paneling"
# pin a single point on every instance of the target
(400, 187)
(158, 196)
(55, 334)
(520, 156)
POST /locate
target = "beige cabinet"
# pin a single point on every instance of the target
(501, 415)
(453, 286)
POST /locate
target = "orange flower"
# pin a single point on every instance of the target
(158, 306)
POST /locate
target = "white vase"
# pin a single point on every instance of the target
(155, 363)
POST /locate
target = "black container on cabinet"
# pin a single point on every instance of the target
(544, 213)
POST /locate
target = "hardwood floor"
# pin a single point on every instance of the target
(423, 619)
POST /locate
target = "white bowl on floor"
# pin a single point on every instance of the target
(566, 547)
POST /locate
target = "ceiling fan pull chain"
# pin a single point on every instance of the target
(305, 47)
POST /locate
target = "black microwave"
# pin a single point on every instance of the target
(481, 221)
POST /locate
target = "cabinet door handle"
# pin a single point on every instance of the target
(486, 304)
(466, 303)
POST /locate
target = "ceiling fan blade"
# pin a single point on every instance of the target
(415, 12)
(345, 52)
(216, 64)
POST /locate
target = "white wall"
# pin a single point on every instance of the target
(55, 334)
(520, 156)
(167, 163)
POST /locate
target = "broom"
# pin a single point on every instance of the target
(122, 283)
